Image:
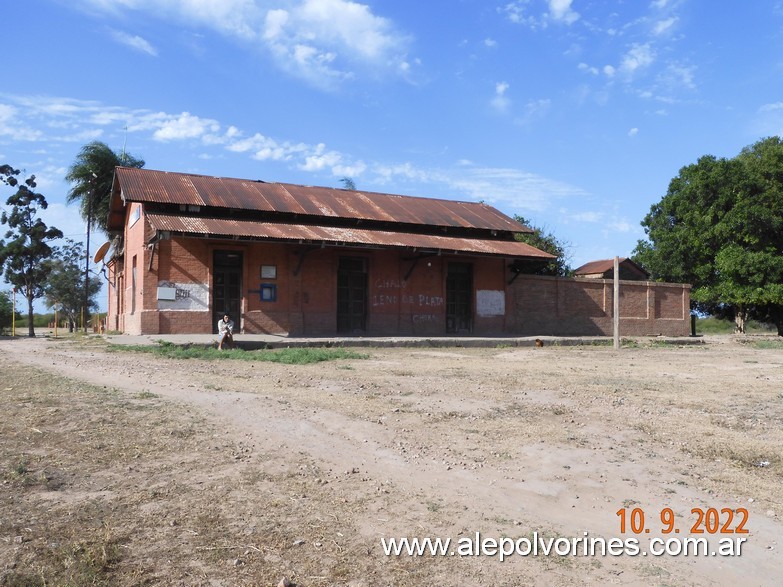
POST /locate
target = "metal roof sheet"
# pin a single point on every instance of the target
(228, 228)
(145, 185)
(604, 265)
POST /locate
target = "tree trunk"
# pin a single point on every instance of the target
(740, 316)
(777, 318)
(30, 325)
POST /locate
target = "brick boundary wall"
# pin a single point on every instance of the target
(557, 306)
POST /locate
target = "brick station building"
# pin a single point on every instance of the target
(299, 260)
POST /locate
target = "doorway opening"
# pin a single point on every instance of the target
(459, 298)
(352, 295)
(226, 286)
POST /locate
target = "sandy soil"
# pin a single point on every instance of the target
(239, 473)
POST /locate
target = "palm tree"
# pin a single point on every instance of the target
(92, 175)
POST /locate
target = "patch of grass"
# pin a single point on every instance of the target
(22, 474)
(21, 468)
(291, 356)
(768, 344)
(80, 562)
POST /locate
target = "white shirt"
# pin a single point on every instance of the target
(225, 327)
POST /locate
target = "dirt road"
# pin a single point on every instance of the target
(238, 473)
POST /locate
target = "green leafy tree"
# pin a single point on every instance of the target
(720, 228)
(348, 183)
(6, 309)
(91, 176)
(25, 252)
(547, 242)
(64, 290)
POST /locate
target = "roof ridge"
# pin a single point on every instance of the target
(301, 185)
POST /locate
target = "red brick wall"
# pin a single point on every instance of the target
(127, 303)
(403, 299)
(539, 305)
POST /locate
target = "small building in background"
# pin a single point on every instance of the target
(604, 269)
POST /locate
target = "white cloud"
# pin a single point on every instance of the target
(609, 71)
(774, 107)
(354, 170)
(637, 57)
(500, 101)
(387, 173)
(663, 26)
(620, 226)
(512, 189)
(516, 12)
(134, 42)
(534, 110)
(10, 127)
(591, 217)
(588, 68)
(184, 126)
(633, 132)
(769, 121)
(325, 40)
(677, 76)
(321, 41)
(490, 43)
(560, 10)
(321, 159)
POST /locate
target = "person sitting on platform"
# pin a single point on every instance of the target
(226, 332)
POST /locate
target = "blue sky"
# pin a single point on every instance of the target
(575, 114)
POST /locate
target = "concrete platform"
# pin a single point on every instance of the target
(268, 341)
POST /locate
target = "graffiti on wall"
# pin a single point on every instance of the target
(183, 297)
(392, 292)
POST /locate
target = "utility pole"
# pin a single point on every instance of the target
(616, 303)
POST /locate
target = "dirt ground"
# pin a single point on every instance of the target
(122, 468)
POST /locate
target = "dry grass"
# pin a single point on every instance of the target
(109, 487)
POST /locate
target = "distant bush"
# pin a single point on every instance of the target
(39, 320)
(6, 310)
(712, 325)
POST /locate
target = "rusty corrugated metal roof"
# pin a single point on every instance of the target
(145, 185)
(604, 265)
(221, 227)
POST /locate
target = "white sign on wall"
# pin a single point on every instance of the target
(187, 297)
(490, 303)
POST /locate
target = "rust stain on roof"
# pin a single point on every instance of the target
(144, 185)
(604, 265)
(217, 227)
